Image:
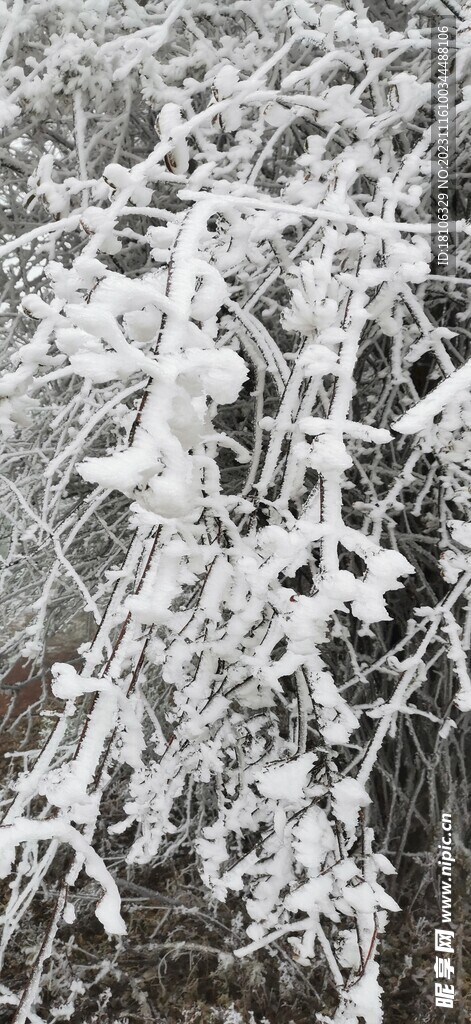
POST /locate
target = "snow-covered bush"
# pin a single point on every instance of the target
(234, 416)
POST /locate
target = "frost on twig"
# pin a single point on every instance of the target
(222, 333)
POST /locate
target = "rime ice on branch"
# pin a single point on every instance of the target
(232, 247)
